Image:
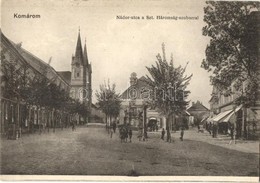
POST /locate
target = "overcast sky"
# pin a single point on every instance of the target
(116, 48)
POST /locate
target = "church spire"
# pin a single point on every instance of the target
(79, 54)
(85, 55)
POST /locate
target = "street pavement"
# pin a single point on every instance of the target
(248, 146)
(91, 151)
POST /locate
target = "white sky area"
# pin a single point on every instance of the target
(116, 48)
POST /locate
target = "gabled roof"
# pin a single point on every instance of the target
(38, 64)
(138, 87)
(197, 107)
(34, 62)
(11, 46)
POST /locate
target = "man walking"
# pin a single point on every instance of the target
(114, 127)
(182, 133)
(111, 131)
(130, 135)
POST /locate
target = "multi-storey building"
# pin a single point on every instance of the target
(136, 112)
(223, 108)
(21, 117)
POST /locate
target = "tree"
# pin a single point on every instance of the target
(12, 77)
(228, 55)
(108, 100)
(169, 87)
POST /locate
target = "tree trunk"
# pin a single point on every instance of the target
(48, 120)
(54, 120)
(168, 128)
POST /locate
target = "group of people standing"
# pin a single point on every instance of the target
(125, 132)
(169, 139)
(212, 129)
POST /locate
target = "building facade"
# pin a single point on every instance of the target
(133, 109)
(136, 111)
(224, 110)
(199, 113)
(16, 115)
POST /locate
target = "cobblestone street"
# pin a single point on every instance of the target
(90, 151)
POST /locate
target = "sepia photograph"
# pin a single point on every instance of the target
(128, 90)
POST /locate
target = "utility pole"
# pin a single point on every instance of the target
(144, 122)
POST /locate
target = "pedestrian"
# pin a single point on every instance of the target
(232, 131)
(169, 139)
(126, 133)
(73, 125)
(130, 135)
(210, 128)
(114, 127)
(182, 133)
(254, 126)
(121, 134)
(140, 134)
(198, 128)
(163, 133)
(214, 130)
(111, 132)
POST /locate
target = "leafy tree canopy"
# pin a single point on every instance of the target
(229, 56)
(169, 85)
(108, 99)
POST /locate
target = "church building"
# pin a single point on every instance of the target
(80, 78)
(81, 72)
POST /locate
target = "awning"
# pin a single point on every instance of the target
(187, 113)
(221, 115)
(204, 119)
(232, 113)
(209, 119)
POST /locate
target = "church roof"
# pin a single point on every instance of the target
(66, 75)
(85, 55)
(78, 53)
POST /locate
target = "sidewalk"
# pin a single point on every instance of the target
(247, 146)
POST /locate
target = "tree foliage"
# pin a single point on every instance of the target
(37, 90)
(169, 85)
(229, 56)
(108, 99)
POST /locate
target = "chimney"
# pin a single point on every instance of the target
(133, 79)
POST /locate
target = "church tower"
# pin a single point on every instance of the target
(81, 72)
